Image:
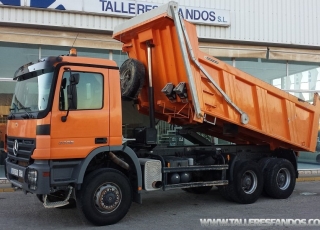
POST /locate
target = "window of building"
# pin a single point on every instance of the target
(266, 70)
(303, 80)
(119, 57)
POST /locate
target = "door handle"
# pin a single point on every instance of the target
(100, 140)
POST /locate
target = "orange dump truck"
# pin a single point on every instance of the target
(64, 134)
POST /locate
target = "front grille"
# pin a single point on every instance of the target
(25, 149)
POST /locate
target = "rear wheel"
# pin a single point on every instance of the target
(279, 179)
(247, 183)
(105, 197)
(263, 164)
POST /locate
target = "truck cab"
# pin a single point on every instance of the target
(41, 132)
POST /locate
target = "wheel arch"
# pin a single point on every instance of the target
(125, 150)
(289, 155)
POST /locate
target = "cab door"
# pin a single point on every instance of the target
(86, 126)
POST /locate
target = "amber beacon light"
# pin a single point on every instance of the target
(73, 52)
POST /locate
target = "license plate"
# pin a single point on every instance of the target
(16, 172)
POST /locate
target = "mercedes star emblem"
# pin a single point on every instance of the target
(15, 147)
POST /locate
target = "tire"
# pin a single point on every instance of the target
(279, 179)
(198, 190)
(132, 75)
(263, 164)
(247, 183)
(105, 197)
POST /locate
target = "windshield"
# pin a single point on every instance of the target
(32, 92)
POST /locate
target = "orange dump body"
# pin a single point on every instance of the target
(275, 117)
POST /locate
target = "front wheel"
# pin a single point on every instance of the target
(105, 197)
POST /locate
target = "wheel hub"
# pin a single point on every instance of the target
(108, 197)
(125, 79)
(283, 178)
(249, 182)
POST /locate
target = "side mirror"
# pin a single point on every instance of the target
(74, 79)
(64, 83)
(72, 97)
(71, 92)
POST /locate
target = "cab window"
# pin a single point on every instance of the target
(89, 91)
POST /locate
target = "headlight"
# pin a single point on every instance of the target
(32, 178)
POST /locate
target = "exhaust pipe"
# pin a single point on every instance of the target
(118, 161)
(157, 184)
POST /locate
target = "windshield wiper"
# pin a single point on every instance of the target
(27, 115)
(11, 116)
(25, 108)
(15, 107)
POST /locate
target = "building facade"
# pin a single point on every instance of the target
(276, 41)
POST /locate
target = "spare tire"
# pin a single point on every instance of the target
(132, 75)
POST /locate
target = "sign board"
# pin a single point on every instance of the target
(127, 8)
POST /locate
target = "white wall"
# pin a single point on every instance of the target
(290, 22)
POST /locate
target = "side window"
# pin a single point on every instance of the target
(89, 91)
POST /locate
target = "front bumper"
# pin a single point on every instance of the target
(17, 175)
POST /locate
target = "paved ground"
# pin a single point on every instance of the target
(174, 209)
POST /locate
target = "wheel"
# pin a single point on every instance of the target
(132, 75)
(105, 197)
(263, 163)
(279, 179)
(198, 190)
(247, 183)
